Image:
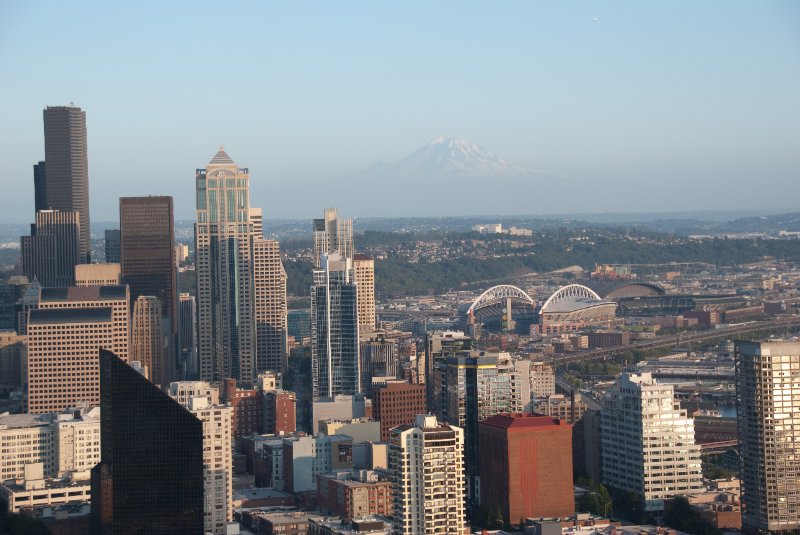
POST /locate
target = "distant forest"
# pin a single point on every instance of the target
(398, 276)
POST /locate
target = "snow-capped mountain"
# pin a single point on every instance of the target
(448, 158)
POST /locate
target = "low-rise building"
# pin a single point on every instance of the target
(367, 525)
(355, 494)
(359, 429)
(35, 490)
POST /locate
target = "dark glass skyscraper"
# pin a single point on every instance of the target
(150, 477)
(66, 182)
(147, 258)
(39, 185)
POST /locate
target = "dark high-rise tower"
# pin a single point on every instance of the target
(150, 476)
(66, 182)
(39, 185)
(147, 258)
(52, 250)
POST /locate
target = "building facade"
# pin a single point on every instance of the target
(647, 442)
(98, 275)
(364, 267)
(334, 329)
(53, 249)
(149, 346)
(63, 367)
(768, 413)
(526, 470)
(66, 174)
(224, 262)
(332, 234)
(115, 297)
(150, 477)
(426, 464)
(270, 305)
(397, 403)
(217, 463)
(147, 260)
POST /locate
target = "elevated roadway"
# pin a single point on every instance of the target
(674, 340)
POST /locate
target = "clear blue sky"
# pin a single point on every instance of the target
(695, 102)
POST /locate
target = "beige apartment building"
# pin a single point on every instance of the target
(270, 304)
(217, 463)
(98, 275)
(115, 297)
(63, 356)
(365, 291)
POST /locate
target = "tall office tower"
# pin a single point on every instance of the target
(768, 413)
(527, 467)
(66, 180)
(224, 257)
(397, 403)
(438, 346)
(39, 185)
(334, 329)
(426, 464)
(364, 267)
(332, 235)
(187, 335)
(63, 369)
(648, 445)
(148, 340)
(473, 388)
(379, 362)
(147, 260)
(112, 246)
(217, 463)
(53, 249)
(115, 297)
(270, 305)
(150, 477)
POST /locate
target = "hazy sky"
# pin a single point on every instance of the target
(662, 105)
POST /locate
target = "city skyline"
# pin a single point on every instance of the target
(695, 100)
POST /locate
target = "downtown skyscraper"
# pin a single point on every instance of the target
(147, 262)
(334, 328)
(768, 414)
(62, 180)
(225, 282)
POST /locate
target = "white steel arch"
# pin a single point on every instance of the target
(500, 293)
(571, 291)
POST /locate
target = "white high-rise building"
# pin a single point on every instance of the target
(364, 267)
(647, 442)
(426, 464)
(77, 444)
(217, 463)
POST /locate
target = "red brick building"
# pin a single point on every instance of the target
(526, 466)
(280, 412)
(355, 494)
(247, 408)
(397, 403)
